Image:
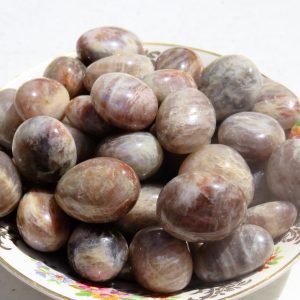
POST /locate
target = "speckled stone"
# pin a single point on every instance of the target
(283, 172)
(41, 222)
(140, 150)
(201, 207)
(69, 71)
(180, 58)
(43, 149)
(232, 83)
(160, 262)
(278, 102)
(10, 185)
(224, 161)
(124, 101)
(105, 41)
(165, 82)
(244, 251)
(85, 146)
(134, 64)
(41, 97)
(82, 115)
(276, 217)
(143, 213)
(97, 253)
(254, 135)
(9, 118)
(99, 190)
(185, 121)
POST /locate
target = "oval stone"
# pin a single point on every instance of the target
(143, 213)
(245, 250)
(180, 58)
(165, 82)
(9, 118)
(85, 146)
(185, 121)
(160, 262)
(276, 217)
(124, 101)
(10, 185)
(134, 64)
(97, 253)
(41, 222)
(69, 71)
(105, 41)
(278, 102)
(99, 190)
(43, 149)
(140, 150)
(41, 97)
(201, 207)
(221, 160)
(81, 114)
(254, 135)
(232, 83)
(283, 172)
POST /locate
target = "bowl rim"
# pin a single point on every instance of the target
(40, 288)
(55, 295)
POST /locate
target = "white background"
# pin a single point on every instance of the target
(267, 31)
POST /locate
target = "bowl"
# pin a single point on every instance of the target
(50, 274)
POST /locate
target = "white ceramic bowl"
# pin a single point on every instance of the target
(50, 274)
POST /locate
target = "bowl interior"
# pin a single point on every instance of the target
(50, 274)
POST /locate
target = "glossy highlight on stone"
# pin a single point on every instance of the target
(41, 222)
(69, 71)
(201, 207)
(221, 160)
(99, 190)
(160, 262)
(185, 121)
(276, 217)
(105, 41)
(165, 82)
(245, 250)
(254, 135)
(82, 115)
(124, 101)
(232, 83)
(10, 185)
(43, 149)
(134, 64)
(140, 150)
(9, 118)
(278, 102)
(283, 172)
(41, 97)
(97, 253)
(180, 58)
(143, 214)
